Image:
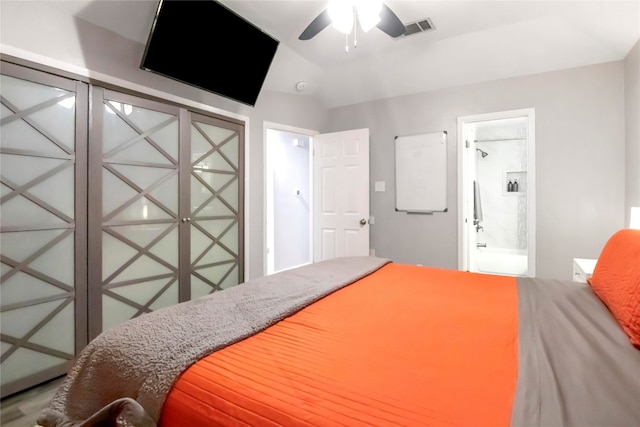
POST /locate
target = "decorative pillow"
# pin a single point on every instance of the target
(616, 280)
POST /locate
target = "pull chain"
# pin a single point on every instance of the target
(355, 32)
(355, 27)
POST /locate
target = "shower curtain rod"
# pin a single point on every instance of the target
(498, 140)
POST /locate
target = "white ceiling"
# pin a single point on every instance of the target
(474, 41)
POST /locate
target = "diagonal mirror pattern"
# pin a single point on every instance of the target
(37, 228)
(140, 171)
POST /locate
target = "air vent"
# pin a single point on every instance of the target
(417, 27)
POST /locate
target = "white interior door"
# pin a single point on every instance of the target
(341, 189)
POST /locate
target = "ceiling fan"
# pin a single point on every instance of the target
(345, 13)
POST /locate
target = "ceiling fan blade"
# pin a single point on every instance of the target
(390, 23)
(321, 22)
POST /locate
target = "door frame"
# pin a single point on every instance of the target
(266, 182)
(465, 209)
(78, 224)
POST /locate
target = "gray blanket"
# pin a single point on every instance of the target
(126, 372)
(576, 367)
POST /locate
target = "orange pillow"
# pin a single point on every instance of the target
(616, 280)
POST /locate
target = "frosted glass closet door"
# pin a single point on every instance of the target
(216, 207)
(43, 233)
(134, 169)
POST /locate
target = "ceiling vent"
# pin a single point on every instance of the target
(419, 26)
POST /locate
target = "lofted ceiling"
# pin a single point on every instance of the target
(473, 41)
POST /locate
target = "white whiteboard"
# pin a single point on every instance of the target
(421, 172)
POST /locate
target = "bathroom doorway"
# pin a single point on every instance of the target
(497, 193)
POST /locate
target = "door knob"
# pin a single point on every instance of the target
(363, 221)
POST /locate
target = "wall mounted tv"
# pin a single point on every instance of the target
(207, 45)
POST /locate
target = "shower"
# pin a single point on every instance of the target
(484, 153)
(497, 230)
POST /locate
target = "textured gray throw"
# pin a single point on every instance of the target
(141, 358)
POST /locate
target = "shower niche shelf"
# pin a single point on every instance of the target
(513, 177)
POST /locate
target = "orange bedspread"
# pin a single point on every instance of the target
(406, 345)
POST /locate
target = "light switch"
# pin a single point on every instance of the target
(380, 186)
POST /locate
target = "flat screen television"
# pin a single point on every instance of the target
(207, 45)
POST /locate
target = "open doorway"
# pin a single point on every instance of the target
(497, 193)
(289, 198)
(316, 190)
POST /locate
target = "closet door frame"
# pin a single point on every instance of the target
(187, 169)
(80, 292)
(95, 199)
(97, 163)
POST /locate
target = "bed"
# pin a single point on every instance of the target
(365, 341)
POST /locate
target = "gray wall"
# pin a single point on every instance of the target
(44, 35)
(632, 110)
(580, 162)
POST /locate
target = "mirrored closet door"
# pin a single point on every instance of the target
(165, 206)
(215, 209)
(43, 138)
(133, 207)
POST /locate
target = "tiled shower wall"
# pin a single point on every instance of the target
(504, 213)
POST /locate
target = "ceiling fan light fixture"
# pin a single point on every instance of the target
(368, 13)
(341, 14)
